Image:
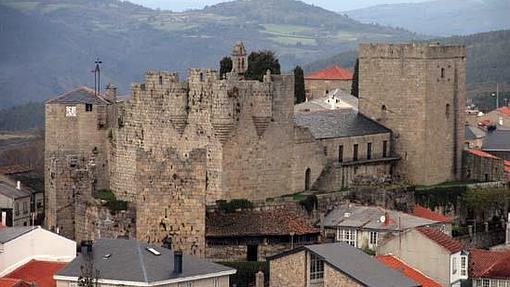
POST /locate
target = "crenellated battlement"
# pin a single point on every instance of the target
(198, 75)
(413, 50)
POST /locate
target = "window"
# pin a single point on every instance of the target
(25, 208)
(341, 153)
(454, 265)
(442, 73)
(88, 107)
(385, 148)
(216, 282)
(369, 150)
(70, 111)
(347, 236)
(486, 283)
(374, 236)
(316, 268)
(307, 179)
(16, 208)
(447, 110)
(325, 149)
(463, 266)
(186, 284)
(355, 153)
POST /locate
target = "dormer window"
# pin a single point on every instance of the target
(70, 111)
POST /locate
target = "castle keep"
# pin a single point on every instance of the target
(174, 146)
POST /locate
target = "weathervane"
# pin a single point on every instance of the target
(97, 76)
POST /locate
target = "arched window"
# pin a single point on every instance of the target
(307, 178)
(447, 110)
(442, 73)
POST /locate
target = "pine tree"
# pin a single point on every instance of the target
(355, 80)
(259, 62)
(225, 66)
(299, 85)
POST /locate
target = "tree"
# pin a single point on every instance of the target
(225, 66)
(299, 85)
(355, 80)
(259, 62)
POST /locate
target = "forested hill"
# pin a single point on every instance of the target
(49, 46)
(488, 60)
(440, 17)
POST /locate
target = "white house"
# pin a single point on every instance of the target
(19, 245)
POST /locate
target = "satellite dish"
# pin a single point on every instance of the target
(383, 218)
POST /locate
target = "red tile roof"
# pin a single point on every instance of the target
(331, 73)
(442, 239)
(507, 165)
(505, 111)
(9, 282)
(489, 264)
(257, 223)
(426, 213)
(40, 272)
(408, 271)
(481, 153)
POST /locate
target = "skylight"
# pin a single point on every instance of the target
(153, 251)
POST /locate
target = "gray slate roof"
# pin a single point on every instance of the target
(498, 140)
(12, 192)
(369, 217)
(82, 95)
(473, 133)
(130, 261)
(357, 265)
(338, 123)
(9, 233)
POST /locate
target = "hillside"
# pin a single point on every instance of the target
(488, 61)
(440, 17)
(49, 46)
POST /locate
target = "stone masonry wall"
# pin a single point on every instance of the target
(333, 278)
(319, 88)
(289, 270)
(171, 199)
(417, 90)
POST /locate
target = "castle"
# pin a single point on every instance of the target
(176, 146)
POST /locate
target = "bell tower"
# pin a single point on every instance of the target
(239, 59)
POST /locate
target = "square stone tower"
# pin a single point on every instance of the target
(417, 90)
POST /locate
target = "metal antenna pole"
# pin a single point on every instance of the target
(98, 72)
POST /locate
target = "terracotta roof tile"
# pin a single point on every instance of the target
(426, 213)
(40, 272)
(505, 111)
(442, 239)
(255, 223)
(481, 153)
(489, 264)
(9, 282)
(331, 73)
(408, 271)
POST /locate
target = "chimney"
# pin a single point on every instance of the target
(4, 218)
(18, 185)
(86, 246)
(177, 262)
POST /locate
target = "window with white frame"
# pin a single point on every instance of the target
(454, 265)
(463, 266)
(347, 236)
(316, 268)
(216, 282)
(70, 111)
(374, 236)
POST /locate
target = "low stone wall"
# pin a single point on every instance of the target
(483, 239)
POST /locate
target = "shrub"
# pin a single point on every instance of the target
(111, 201)
(233, 205)
(309, 203)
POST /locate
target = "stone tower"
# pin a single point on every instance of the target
(417, 90)
(76, 154)
(239, 59)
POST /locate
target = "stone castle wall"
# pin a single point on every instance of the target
(417, 90)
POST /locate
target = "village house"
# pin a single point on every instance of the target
(489, 268)
(473, 137)
(25, 247)
(134, 263)
(332, 264)
(482, 166)
(14, 204)
(365, 227)
(321, 83)
(408, 271)
(255, 235)
(500, 117)
(497, 142)
(430, 251)
(337, 99)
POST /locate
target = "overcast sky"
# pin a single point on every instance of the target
(335, 5)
